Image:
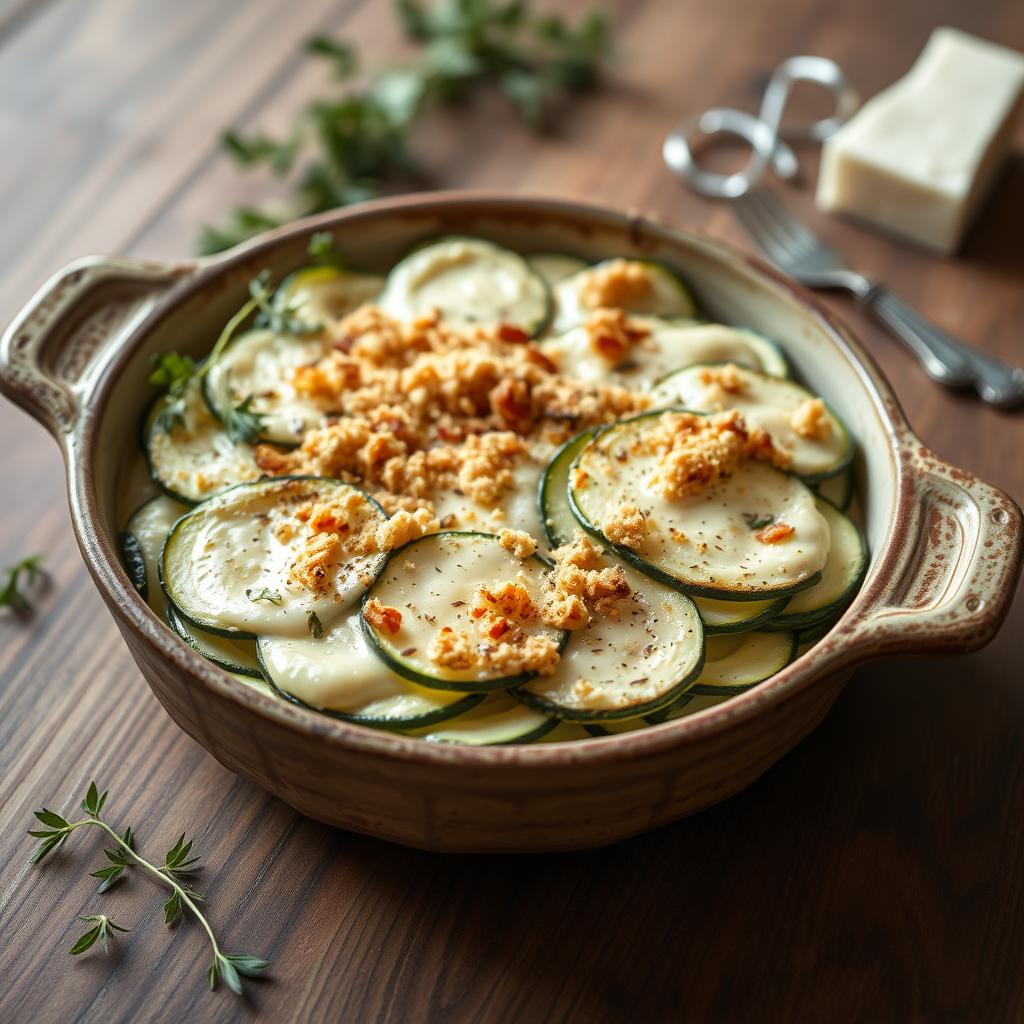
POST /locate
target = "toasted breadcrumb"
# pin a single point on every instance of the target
(511, 601)
(402, 527)
(611, 335)
(727, 377)
(581, 584)
(512, 652)
(694, 451)
(810, 420)
(518, 542)
(617, 282)
(383, 617)
(627, 526)
(775, 533)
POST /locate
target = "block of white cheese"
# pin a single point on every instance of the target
(919, 158)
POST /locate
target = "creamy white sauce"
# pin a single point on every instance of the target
(150, 526)
(614, 664)
(471, 282)
(261, 365)
(228, 552)
(433, 584)
(323, 295)
(667, 297)
(766, 402)
(668, 346)
(714, 545)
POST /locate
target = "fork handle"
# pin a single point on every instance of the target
(944, 358)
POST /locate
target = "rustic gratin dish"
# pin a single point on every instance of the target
(945, 547)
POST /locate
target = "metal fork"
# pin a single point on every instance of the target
(797, 252)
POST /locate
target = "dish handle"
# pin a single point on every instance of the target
(949, 586)
(52, 351)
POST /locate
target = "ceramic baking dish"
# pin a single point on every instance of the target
(945, 547)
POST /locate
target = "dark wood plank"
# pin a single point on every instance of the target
(874, 874)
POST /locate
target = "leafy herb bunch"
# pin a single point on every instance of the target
(348, 148)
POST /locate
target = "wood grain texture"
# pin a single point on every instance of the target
(876, 873)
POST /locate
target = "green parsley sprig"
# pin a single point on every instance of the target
(353, 146)
(24, 573)
(177, 871)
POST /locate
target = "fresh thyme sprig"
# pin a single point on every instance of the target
(350, 147)
(176, 872)
(25, 572)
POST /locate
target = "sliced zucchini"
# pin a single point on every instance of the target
(704, 543)
(432, 582)
(556, 515)
(226, 566)
(560, 525)
(193, 460)
(614, 728)
(235, 656)
(840, 579)
(565, 732)
(555, 266)
(472, 282)
(736, 663)
(258, 368)
(624, 667)
(497, 720)
(141, 541)
(838, 489)
(338, 675)
(767, 402)
(667, 346)
(689, 704)
(666, 295)
(320, 296)
(738, 616)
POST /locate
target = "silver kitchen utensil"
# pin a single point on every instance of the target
(799, 253)
(765, 132)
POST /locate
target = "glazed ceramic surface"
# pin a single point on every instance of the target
(945, 547)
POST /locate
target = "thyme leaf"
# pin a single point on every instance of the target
(179, 866)
(25, 572)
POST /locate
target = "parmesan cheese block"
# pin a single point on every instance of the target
(919, 159)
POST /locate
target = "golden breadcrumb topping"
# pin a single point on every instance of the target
(810, 420)
(694, 451)
(582, 583)
(383, 617)
(775, 533)
(518, 542)
(727, 377)
(611, 334)
(510, 652)
(627, 526)
(617, 282)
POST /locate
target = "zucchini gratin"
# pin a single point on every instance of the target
(493, 498)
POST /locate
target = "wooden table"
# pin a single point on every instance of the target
(877, 873)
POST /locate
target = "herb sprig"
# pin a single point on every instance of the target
(176, 872)
(350, 147)
(24, 573)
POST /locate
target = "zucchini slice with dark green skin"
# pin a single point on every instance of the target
(319, 296)
(226, 565)
(736, 663)
(840, 579)
(625, 666)
(143, 537)
(235, 656)
(668, 295)
(497, 721)
(338, 675)
(560, 525)
(772, 403)
(257, 370)
(837, 489)
(666, 345)
(555, 266)
(704, 544)
(192, 458)
(432, 582)
(472, 282)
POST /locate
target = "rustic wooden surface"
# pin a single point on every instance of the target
(876, 873)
